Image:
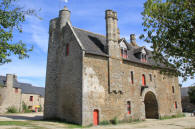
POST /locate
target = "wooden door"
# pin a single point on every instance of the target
(95, 117)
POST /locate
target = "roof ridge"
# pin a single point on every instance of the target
(90, 32)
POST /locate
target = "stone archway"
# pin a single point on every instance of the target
(151, 105)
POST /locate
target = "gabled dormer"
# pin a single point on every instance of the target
(124, 47)
(141, 53)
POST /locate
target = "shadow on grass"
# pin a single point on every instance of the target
(17, 117)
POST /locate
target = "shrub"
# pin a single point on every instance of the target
(105, 122)
(114, 121)
(11, 109)
(25, 108)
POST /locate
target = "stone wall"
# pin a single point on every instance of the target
(63, 96)
(37, 100)
(51, 72)
(69, 102)
(8, 95)
(96, 94)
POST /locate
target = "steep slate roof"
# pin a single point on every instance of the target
(96, 43)
(25, 87)
(2, 80)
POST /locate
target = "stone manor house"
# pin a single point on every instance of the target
(92, 78)
(14, 93)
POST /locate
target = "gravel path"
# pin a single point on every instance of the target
(35, 120)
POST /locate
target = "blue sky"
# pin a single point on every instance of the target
(85, 14)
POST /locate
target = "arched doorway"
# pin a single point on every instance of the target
(151, 105)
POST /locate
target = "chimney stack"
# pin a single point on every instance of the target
(9, 80)
(118, 34)
(111, 26)
(133, 40)
(64, 17)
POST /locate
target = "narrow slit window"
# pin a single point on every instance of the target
(173, 89)
(175, 104)
(128, 107)
(143, 80)
(132, 81)
(67, 49)
(150, 77)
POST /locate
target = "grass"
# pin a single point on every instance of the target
(20, 123)
(115, 121)
(173, 116)
(17, 123)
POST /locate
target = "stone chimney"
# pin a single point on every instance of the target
(133, 40)
(111, 25)
(15, 77)
(9, 80)
(64, 17)
(112, 33)
(118, 34)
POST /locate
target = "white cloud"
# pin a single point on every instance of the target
(38, 33)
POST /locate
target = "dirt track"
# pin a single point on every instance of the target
(178, 123)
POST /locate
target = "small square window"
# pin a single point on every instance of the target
(31, 98)
(16, 90)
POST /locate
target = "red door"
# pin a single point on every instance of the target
(95, 117)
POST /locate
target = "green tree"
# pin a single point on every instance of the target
(191, 94)
(170, 28)
(11, 17)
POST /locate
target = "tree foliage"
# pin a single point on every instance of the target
(170, 28)
(11, 18)
(191, 94)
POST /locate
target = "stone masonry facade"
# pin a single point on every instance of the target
(92, 78)
(13, 93)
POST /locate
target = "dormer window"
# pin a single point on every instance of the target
(123, 46)
(143, 57)
(124, 53)
(141, 54)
